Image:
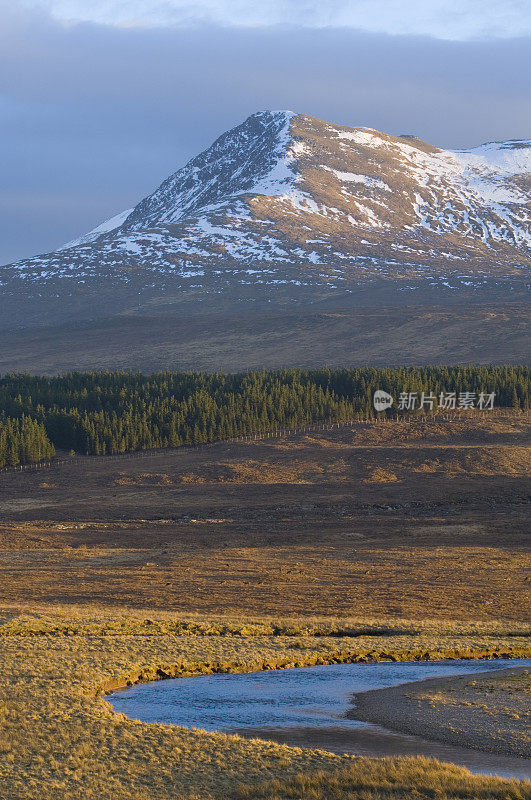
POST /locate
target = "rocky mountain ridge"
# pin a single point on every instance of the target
(286, 208)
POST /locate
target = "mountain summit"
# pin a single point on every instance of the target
(286, 207)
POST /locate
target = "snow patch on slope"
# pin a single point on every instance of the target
(281, 174)
(367, 180)
(505, 158)
(105, 227)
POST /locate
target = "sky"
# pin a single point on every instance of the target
(101, 100)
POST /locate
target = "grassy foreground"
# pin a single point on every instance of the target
(60, 738)
(390, 779)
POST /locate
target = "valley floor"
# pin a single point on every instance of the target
(372, 542)
(414, 520)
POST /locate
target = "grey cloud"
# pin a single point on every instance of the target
(93, 117)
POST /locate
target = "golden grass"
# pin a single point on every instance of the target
(379, 475)
(387, 462)
(60, 738)
(416, 569)
(305, 525)
(402, 633)
(389, 779)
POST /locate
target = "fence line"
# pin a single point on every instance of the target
(277, 433)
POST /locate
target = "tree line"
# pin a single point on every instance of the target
(95, 413)
(23, 441)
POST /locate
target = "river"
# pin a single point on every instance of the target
(306, 707)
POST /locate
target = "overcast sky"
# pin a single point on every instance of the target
(101, 100)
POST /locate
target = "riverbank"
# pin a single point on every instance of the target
(484, 712)
(305, 707)
(60, 738)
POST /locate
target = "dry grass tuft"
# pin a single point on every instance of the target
(390, 779)
(380, 475)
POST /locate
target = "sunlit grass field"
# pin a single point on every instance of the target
(61, 738)
(389, 779)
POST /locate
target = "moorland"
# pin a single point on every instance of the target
(371, 541)
(334, 334)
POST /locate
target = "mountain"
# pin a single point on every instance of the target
(286, 208)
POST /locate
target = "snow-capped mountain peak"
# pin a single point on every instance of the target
(285, 207)
(249, 156)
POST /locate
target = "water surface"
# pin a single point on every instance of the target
(306, 706)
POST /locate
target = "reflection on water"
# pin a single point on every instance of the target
(306, 707)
